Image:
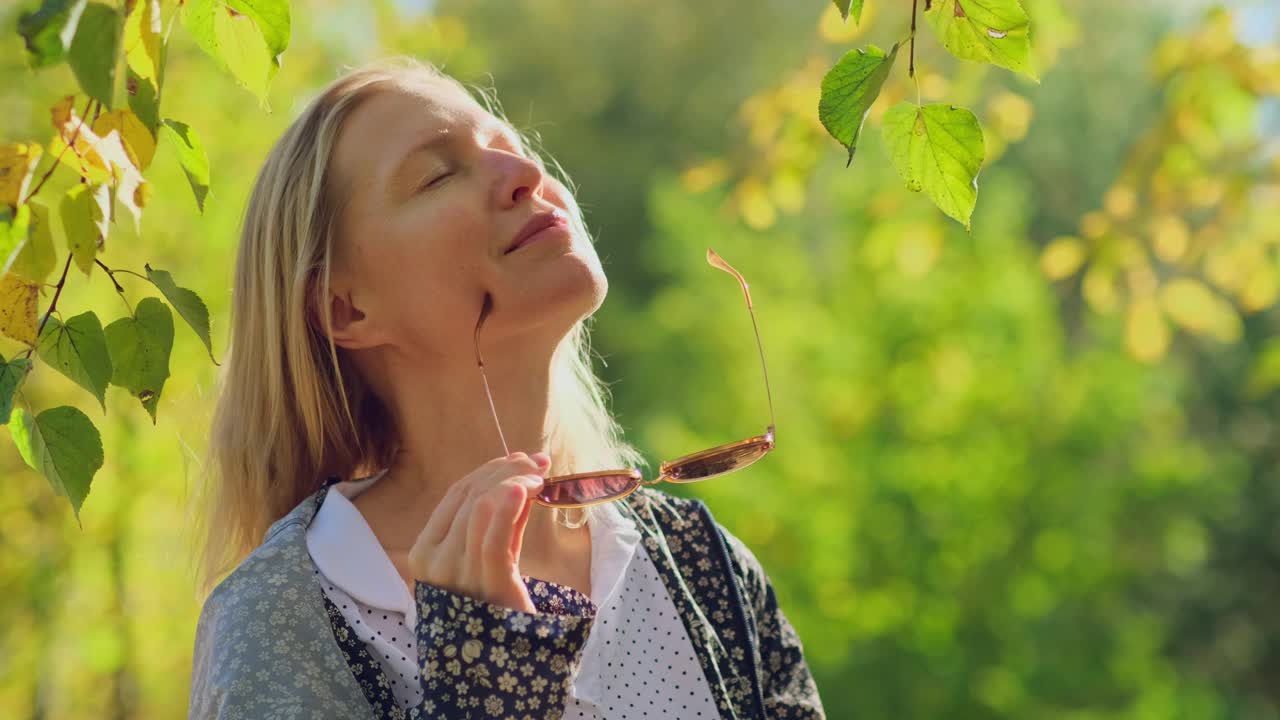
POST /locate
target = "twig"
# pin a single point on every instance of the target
(140, 276)
(62, 152)
(110, 275)
(119, 289)
(62, 281)
(911, 66)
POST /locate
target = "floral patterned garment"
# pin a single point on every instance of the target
(269, 644)
(482, 660)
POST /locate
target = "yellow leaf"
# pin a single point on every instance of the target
(126, 179)
(73, 144)
(704, 176)
(1120, 201)
(1169, 237)
(18, 308)
(1094, 225)
(138, 142)
(918, 248)
(17, 162)
(1223, 269)
(1195, 307)
(754, 204)
(1099, 289)
(1261, 289)
(142, 39)
(933, 86)
(1146, 334)
(1009, 114)
(834, 29)
(787, 191)
(1062, 257)
(102, 158)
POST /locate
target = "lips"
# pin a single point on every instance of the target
(536, 224)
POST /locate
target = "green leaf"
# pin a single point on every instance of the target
(849, 89)
(14, 228)
(85, 210)
(235, 41)
(36, 258)
(140, 347)
(48, 31)
(79, 351)
(144, 100)
(850, 7)
(938, 149)
(144, 52)
(93, 52)
(63, 445)
(195, 163)
(993, 31)
(186, 302)
(11, 374)
(272, 19)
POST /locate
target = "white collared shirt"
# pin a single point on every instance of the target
(638, 661)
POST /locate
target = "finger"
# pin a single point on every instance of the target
(450, 549)
(469, 490)
(496, 553)
(542, 459)
(437, 527)
(476, 525)
(522, 520)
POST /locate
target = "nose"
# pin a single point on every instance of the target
(521, 175)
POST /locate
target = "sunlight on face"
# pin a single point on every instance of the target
(433, 189)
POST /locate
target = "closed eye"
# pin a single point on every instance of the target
(437, 179)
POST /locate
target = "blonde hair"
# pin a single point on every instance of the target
(292, 410)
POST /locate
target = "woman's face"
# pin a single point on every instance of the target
(435, 190)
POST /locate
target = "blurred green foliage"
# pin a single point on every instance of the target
(987, 501)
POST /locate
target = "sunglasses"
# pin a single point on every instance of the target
(602, 486)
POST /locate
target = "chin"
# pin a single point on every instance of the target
(572, 287)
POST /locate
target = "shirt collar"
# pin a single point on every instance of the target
(345, 549)
(348, 553)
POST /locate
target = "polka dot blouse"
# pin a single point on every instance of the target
(638, 661)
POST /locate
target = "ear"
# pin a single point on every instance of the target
(351, 328)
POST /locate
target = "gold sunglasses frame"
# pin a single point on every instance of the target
(761, 445)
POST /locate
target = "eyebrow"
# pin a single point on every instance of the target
(439, 140)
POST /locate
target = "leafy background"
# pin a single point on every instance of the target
(1028, 470)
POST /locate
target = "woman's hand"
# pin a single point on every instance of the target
(471, 543)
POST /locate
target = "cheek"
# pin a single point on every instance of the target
(430, 243)
(430, 261)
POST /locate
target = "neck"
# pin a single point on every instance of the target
(447, 430)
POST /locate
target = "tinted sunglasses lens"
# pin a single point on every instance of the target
(595, 488)
(718, 463)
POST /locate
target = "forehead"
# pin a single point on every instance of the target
(398, 117)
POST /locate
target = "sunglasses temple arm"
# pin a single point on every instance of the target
(760, 346)
(714, 260)
(484, 312)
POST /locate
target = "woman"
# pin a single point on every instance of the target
(392, 557)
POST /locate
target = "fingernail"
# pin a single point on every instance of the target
(541, 458)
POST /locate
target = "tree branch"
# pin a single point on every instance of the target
(52, 305)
